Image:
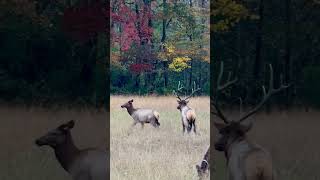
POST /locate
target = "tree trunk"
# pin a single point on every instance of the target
(258, 60)
(287, 65)
(163, 39)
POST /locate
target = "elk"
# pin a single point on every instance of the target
(188, 115)
(81, 164)
(203, 169)
(142, 116)
(245, 159)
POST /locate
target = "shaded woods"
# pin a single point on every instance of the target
(53, 52)
(282, 33)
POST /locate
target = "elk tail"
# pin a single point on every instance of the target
(156, 115)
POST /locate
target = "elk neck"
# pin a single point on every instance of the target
(236, 145)
(205, 161)
(131, 110)
(185, 109)
(66, 153)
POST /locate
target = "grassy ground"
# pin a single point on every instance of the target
(157, 154)
(20, 159)
(292, 138)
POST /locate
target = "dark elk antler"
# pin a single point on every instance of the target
(179, 90)
(220, 87)
(194, 89)
(266, 94)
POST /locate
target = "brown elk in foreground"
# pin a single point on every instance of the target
(188, 115)
(141, 115)
(85, 164)
(245, 160)
(203, 170)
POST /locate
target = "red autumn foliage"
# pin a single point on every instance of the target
(135, 26)
(140, 67)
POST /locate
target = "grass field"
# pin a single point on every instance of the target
(157, 154)
(21, 159)
(164, 154)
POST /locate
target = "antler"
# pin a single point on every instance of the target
(193, 90)
(180, 87)
(220, 87)
(266, 95)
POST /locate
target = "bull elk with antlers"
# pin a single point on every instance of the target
(188, 115)
(245, 160)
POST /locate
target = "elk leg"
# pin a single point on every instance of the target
(194, 127)
(131, 128)
(189, 128)
(142, 125)
(134, 123)
(183, 128)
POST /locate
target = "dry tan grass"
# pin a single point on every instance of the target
(291, 137)
(157, 154)
(21, 159)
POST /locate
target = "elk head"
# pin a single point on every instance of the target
(184, 102)
(56, 136)
(127, 104)
(235, 130)
(202, 172)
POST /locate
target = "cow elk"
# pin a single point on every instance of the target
(85, 164)
(203, 170)
(188, 115)
(141, 115)
(245, 160)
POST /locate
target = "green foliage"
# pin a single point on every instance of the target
(226, 13)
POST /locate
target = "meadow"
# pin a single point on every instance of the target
(157, 154)
(21, 159)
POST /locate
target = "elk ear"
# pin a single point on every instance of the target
(70, 124)
(219, 125)
(67, 126)
(131, 101)
(187, 102)
(246, 126)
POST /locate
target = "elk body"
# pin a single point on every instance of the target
(188, 115)
(81, 164)
(245, 160)
(203, 169)
(142, 116)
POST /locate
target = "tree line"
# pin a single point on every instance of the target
(63, 51)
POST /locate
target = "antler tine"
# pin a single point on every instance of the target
(220, 87)
(193, 90)
(219, 112)
(180, 87)
(266, 95)
(229, 81)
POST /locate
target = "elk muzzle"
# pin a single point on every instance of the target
(221, 143)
